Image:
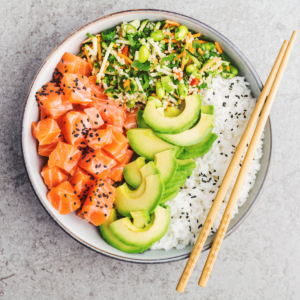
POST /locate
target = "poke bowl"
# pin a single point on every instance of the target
(233, 100)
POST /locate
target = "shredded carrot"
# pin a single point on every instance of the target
(218, 47)
(169, 33)
(210, 63)
(99, 48)
(179, 100)
(167, 108)
(178, 75)
(202, 42)
(127, 85)
(106, 65)
(153, 94)
(196, 35)
(228, 68)
(221, 68)
(115, 45)
(122, 67)
(175, 95)
(121, 32)
(182, 54)
(88, 58)
(172, 41)
(182, 63)
(200, 51)
(154, 64)
(172, 23)
(190, 35)
(192, 50)
(173, 51)
(126, 59)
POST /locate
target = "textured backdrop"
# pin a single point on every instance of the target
(39, 261)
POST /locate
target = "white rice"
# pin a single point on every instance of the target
(233, 106)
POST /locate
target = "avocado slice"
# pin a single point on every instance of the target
(132, 172)
(191, 136)
(172, 112)
(199, 149)
(148, 169)
(185, 164)
(112, 240)
(178, 124)
(140, 120)
(208, 109)
(166, 164)
(140, 218)
(125, 204)
(130, 235)
(146, 143)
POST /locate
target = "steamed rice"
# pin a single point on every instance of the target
(233, 107)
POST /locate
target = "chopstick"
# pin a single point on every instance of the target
(228, 176)
(245, 168)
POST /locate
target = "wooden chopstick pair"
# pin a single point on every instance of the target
(272, 87)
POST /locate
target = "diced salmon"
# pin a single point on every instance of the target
(94, 116)
(58, 120)
(119, 143)
(53, 177)
(76, 89)
(50, 101)
(131, 119)
(45, 131)
(81, 182)
(65, 156)
(97, 207)
(63, 199)
(45, 150)
(73, 64)
(96, 91)
(109, 181)
(75, 128)
(116, 172)
(97, 162)
(111, 114)
(98, 138)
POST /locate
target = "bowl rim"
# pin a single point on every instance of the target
(173, 258)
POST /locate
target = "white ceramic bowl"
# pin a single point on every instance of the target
(87, 234)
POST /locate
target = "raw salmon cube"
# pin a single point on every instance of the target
(94, 117)
(46, 150)
(131, 119)
(65, 156)
(96, 91)
(97, 162)
(81, 182)
(98, 138)
(63, 199)
(45, 131)
(119, 143)
(53, 177)
(50, 102)
(73, 64)
(76, 89)
(75, 128)
(116, 172)
(97, 207)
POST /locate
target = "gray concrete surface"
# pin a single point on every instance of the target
(39, 261)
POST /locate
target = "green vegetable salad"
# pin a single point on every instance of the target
(162, 61)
